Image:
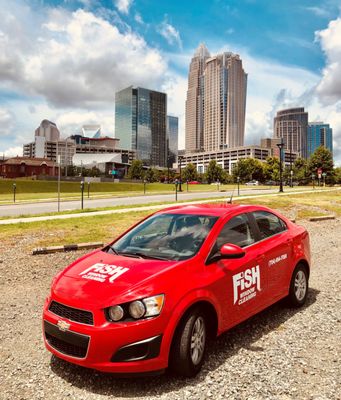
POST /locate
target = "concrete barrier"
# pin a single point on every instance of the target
(322, 218)
(66, 247)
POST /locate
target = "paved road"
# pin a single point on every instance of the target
(39, 208)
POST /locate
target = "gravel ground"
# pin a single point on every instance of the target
(278, 354)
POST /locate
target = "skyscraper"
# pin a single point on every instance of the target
(292, 126)
(225, 102)
(140, 124)
(172, 139)
(216, 101)
(195, 100)
(319, 134)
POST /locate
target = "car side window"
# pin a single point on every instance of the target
(236, 231)
(269, 224)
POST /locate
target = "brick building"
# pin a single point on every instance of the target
(19, 167)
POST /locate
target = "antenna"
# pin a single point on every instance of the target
(230, 200)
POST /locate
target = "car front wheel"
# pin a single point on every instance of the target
(189, 345)
(298, 287)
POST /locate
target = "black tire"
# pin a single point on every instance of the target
(298, 287)
(182, 359)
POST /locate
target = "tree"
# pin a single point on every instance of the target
(248, 169)
(271, 169)
(190, 173)
(214, 172)
(136, 170)
(152, 175)
(322, 158)
(337, 174)
(301, 174)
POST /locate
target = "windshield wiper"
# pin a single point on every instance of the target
(112, 249)
(140, 255)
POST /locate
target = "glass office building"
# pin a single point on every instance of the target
(140, 124)
(319, 134)
(292, 126)
(172, 139)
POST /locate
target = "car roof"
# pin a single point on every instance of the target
(214, 209)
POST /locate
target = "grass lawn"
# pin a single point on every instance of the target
(39, 190)
(107, 227)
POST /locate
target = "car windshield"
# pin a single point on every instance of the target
(166, 237)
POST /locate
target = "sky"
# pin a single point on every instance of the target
(63, 60)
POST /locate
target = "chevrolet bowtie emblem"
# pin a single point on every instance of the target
(63, 325)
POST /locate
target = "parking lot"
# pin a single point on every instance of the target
(278, 354)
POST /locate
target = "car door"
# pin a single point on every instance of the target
(276, 246)
(241, 285)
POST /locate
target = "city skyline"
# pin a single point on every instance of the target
(50, 70)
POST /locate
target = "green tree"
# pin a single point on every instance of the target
(301, 173)
(214, 172)
(152, 175)
(271, 169)
(190, 173)
(322, 158)
(337, 174)
(248, 169)
(136, 170)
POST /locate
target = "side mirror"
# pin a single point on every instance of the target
(231, 251)
(228, 251)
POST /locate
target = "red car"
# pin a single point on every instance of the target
(153, 297)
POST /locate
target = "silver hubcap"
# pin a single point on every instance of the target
(198, 340)
(300, 285)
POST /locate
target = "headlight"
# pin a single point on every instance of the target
(137, 309)
(153, 305)
(144, 308)
(116, 313)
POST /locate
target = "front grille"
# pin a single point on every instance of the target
(69, 343)
(73, 314)
(66, 348)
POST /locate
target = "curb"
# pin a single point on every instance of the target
(66, 247)
(322, 218)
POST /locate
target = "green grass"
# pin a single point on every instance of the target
(41, 190)
(106, 227)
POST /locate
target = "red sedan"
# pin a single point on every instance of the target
(152, 298)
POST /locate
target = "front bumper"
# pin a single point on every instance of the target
(124, 348)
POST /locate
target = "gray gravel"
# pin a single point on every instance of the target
(278, 354)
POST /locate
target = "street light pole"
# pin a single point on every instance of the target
(238, 181)
(58, 159)
(280, 146)
(176, 189)
(82, 192)
(180, 160)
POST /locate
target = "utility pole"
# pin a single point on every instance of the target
(280, 146)
(58, 160)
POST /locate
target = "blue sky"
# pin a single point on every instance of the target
(64, 59)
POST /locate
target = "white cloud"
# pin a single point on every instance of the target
(319, 11)
(170, 33)
(6, 122)
(76, 60)
(13, 151)
(176, 89)
(123, 5)
(329, 89)
(139, 19)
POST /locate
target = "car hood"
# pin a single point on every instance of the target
(99, 278)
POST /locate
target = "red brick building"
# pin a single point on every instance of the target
(19, 167)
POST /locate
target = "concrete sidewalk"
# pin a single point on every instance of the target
(152, 207)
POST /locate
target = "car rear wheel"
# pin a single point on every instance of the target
(189, 345)
(298, 286)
